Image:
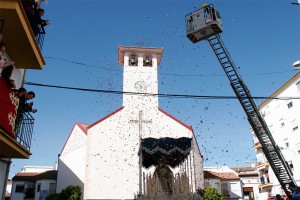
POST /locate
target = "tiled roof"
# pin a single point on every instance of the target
(243, 169)
(30, 176)
(221, 175)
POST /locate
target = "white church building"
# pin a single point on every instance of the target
(138, 151)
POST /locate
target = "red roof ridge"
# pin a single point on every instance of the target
(107, 116)
(85, 127)
(177, 120)
(82, 126)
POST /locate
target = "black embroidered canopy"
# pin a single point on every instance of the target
(173, 151)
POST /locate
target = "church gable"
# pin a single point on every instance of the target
(165, 125)
(71, 161)
(76, 139)
(104, 118)
(175, 119)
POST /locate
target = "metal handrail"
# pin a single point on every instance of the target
(38, 30)
(40, 36)
(24, 127)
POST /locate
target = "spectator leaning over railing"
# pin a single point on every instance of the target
(28, 106)
(24, 106)
(39, 23)
(30, 8)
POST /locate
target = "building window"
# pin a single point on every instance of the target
(289, 105)
(52, 188)
(224, 189)
(38, 189)
(19, 189)
(148, 61)
(133, 60)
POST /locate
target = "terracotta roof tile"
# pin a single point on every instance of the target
(221, 175)
(32, 176)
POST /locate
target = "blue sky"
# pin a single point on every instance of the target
(261, 36)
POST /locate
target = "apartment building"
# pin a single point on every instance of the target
(233, 183)
(23, 47)
(281, 113)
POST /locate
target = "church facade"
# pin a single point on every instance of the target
(138, 151)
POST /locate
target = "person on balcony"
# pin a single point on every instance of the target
(6, 74)
(3, 60)
(39, 23)
(267, 177)
(30, 7)
(24, 96)
(262, 178)
(23, 107)
(28, 106)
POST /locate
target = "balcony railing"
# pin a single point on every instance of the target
(15, 120)
(24, 127)
(30, 9)
(40, 36)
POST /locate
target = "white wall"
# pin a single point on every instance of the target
(251, 182)
(282, 122)
(112, 170)
(45, 186)
(235, 188)
(133, 74)
(216, 183)
(3, 178)
(112, 151)
(198, 166)
(18, 195)
(18, 75)
(71, 163)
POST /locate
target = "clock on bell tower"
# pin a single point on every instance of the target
(140, 75)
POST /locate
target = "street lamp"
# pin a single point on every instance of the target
(296, 64)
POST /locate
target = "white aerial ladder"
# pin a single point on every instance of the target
(206, 24)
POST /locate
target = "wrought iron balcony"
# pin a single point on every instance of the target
(40, 36)
(15, 20)
(31, 8)
(24, 127)
(16, 125)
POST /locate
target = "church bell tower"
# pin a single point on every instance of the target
(140, 83)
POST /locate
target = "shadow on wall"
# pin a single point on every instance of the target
(66, 177)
